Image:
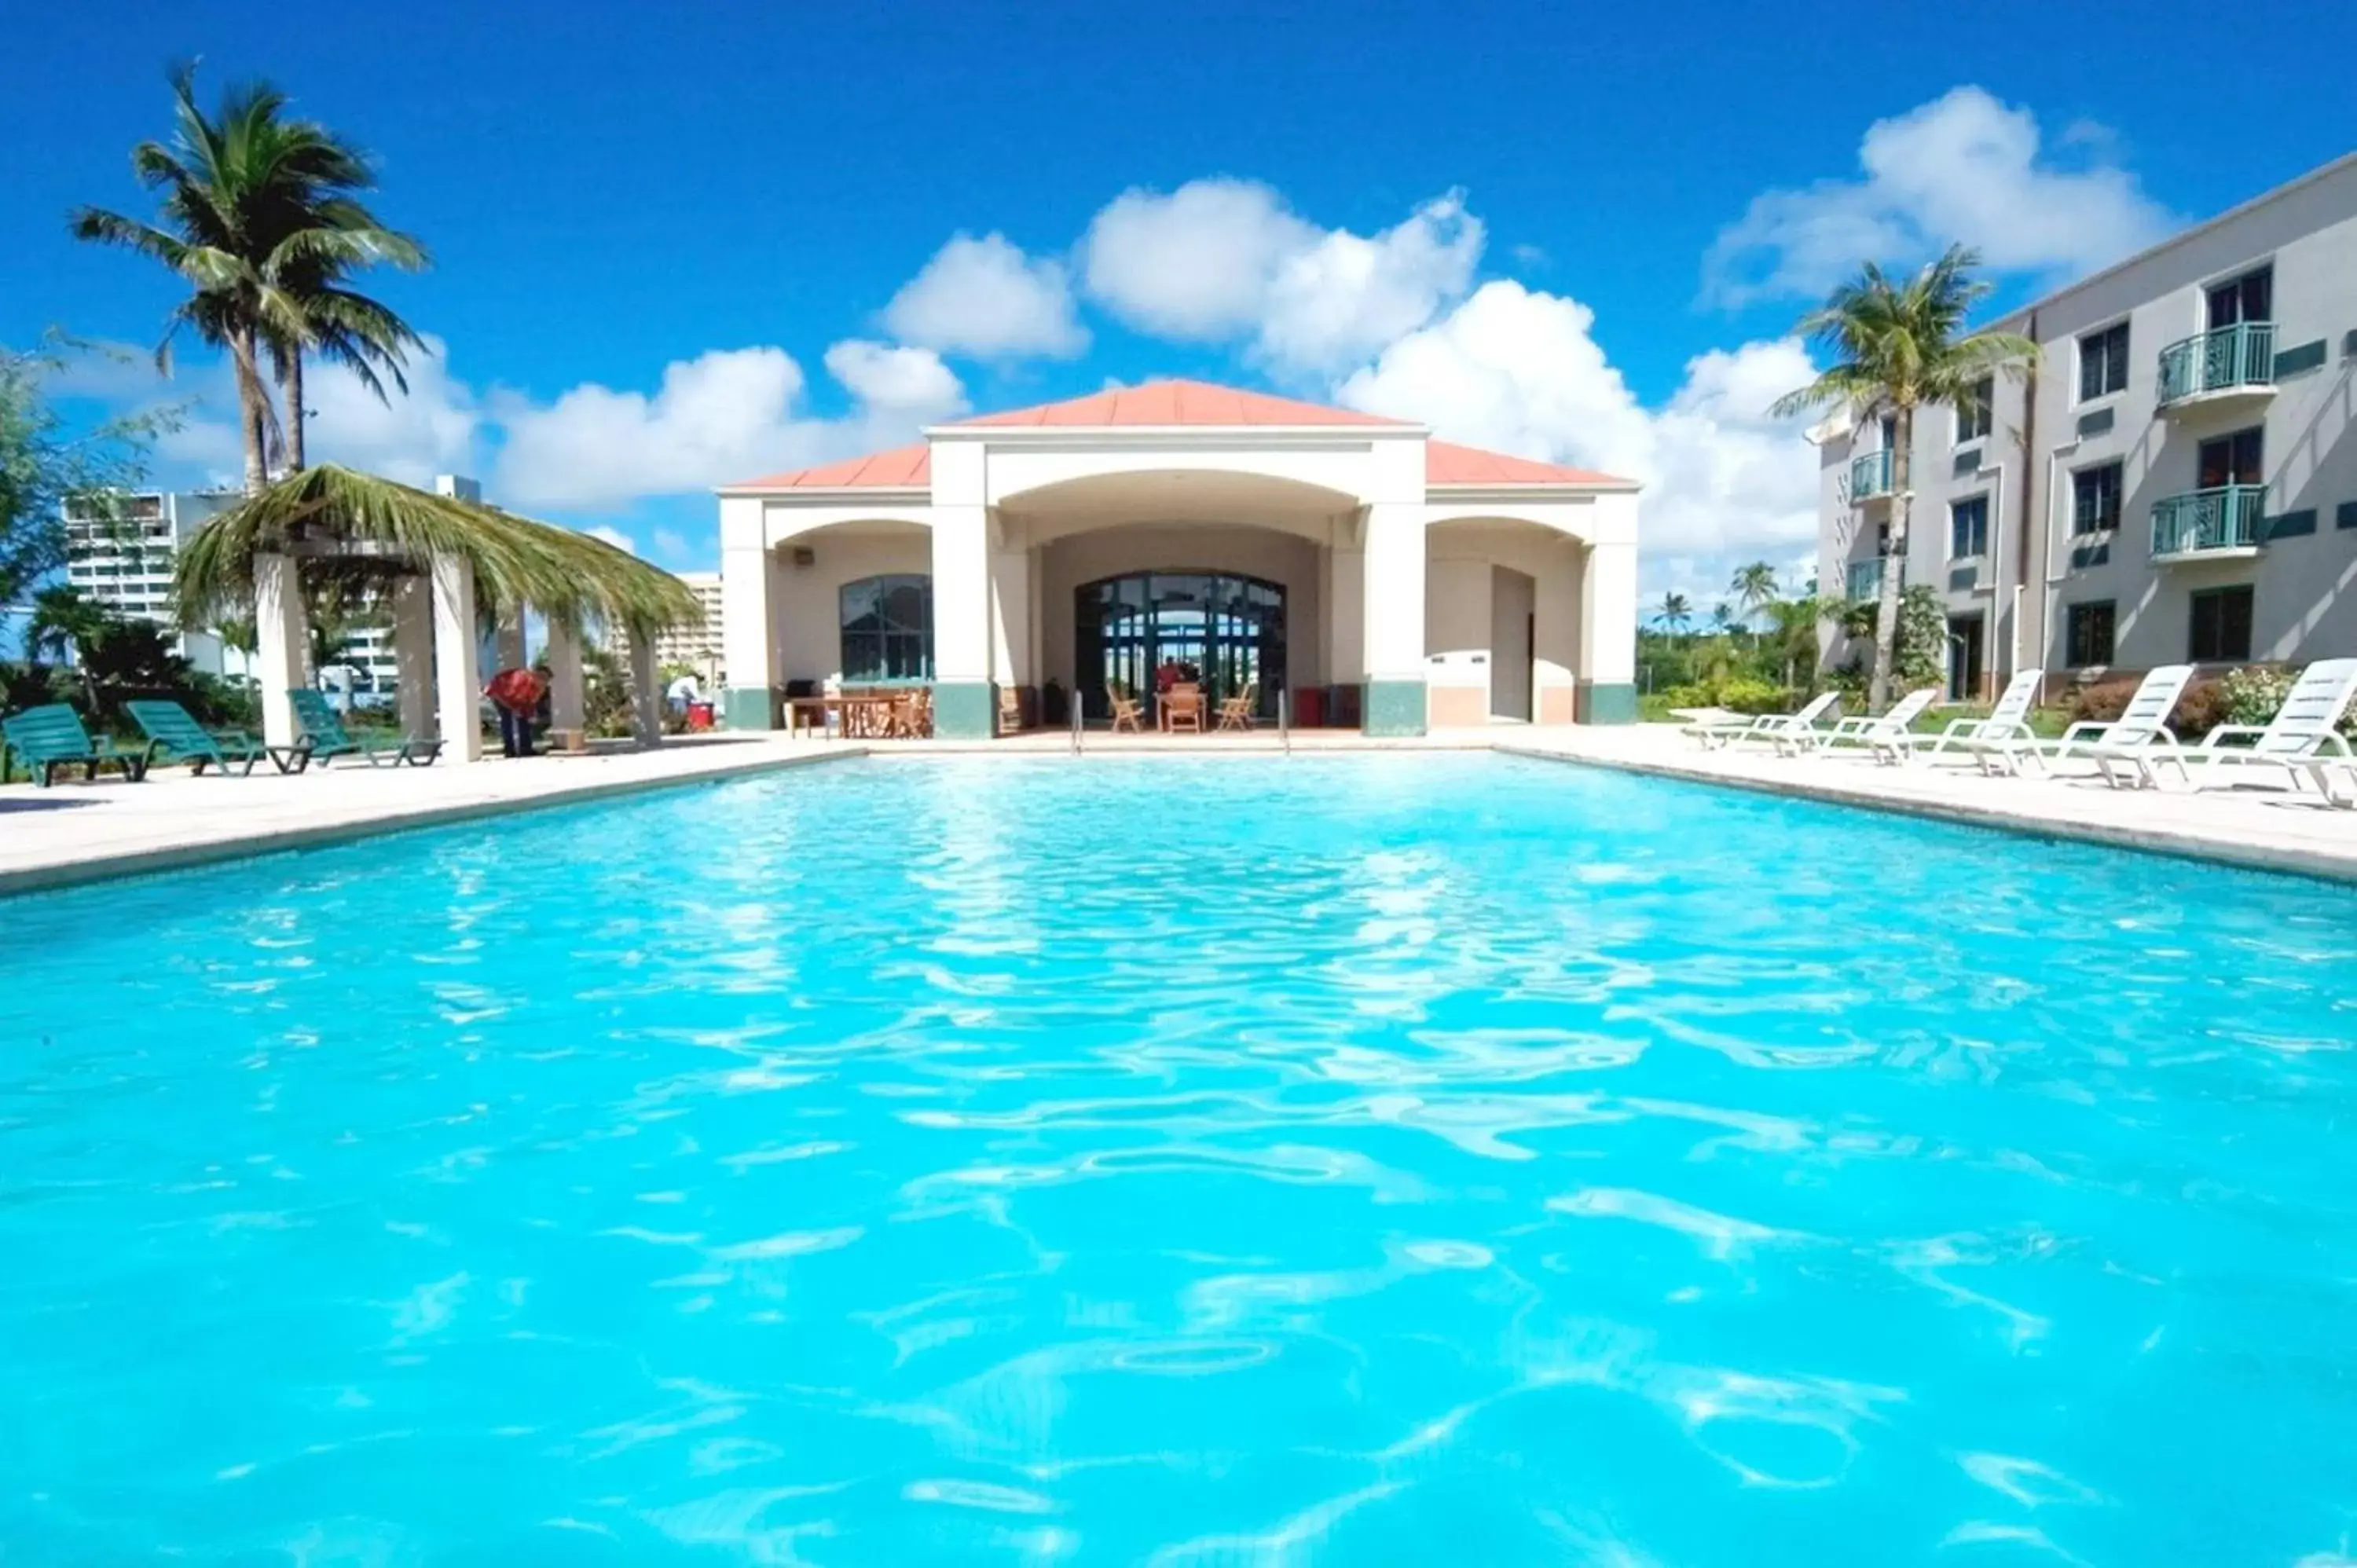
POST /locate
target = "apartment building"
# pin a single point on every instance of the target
(697, 646)
(2175, 479)
(120, 549)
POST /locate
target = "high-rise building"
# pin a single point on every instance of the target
(697, 646)
(119, 548)
(2175, 482)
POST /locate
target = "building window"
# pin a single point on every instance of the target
(1974, 414)
(1968, 528)
(2222, 625)
(2250, 297)
(2091, 629)
(2104, 363)
(2095, 499)
(888, 628)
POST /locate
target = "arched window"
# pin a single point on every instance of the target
(888, 628)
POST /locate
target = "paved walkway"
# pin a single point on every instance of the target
(75, 832)
(2260, 823)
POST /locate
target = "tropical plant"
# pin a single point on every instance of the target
(1722, 617)
(1897, 346)
(1754, 587)
(65, 624)
(47, 465)
(1677, 614)
(258, 216)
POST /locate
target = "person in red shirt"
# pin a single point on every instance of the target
(516, 693)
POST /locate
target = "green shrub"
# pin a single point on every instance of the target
(2255, 693)
(1754, 697)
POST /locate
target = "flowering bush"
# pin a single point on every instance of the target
(2256, 693)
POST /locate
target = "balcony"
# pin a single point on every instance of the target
(1866, 580)
(1870, 477)
(2234, 365)
(2221, 524)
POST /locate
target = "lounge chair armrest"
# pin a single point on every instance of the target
(2216, 739)
(2084, 729)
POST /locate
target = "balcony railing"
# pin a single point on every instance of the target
(2243, 354)
(2226, 518)
(1870, 475)
(1866, 579)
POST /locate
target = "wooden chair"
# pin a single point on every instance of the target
(1128, 713)
(1182, 708)
(1236, 712)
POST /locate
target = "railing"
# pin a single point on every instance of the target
(1870, 475)
(1866, 579)
(2243, 354)
(2226, 518)
(1284, 729)
(1076, 720)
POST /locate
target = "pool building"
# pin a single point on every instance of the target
(1380, 578)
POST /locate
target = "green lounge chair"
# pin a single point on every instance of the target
(50, 737)
(182, 739)
(318, 728)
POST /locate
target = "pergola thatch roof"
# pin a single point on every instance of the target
(336, 513)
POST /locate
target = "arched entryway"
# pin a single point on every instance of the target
(1226, 629)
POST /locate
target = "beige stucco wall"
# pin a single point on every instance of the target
(1284, 558)
(809, 598)
(1461, 607)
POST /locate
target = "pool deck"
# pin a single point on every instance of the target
(75, 832)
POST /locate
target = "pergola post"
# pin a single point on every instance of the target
(458, 671)
(413, 652)
(646, 692)
(282, 636)
(568, 708)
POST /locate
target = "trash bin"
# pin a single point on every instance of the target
(699, 715)
(1309, 708)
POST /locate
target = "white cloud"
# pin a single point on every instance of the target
(726, 415)
(1964, 167)
(433, 428)
(986, 298)
(613, 536)
(1518, 370)
(883, 377)
(1219, 258)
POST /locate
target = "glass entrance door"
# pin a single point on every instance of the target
(1224, 631)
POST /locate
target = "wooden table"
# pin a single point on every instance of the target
(808, 713)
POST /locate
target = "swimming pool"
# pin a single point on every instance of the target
(1399, 1159)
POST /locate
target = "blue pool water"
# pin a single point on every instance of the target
(1376, 1160)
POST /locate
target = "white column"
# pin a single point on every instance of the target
(646, 691)
(963, 703)
(1608, 634)
(413, 652)
(567, 704)
(1393, 620)
(457, 668)
(282, 636)
(749, 610)
(1010, 611)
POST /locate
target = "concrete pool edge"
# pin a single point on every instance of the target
(154, 860)
(2290, 860)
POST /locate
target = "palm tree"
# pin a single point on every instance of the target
(1754, 587)
(257, 216)
(1676, 613)
(1897, 346)
(1722, 617)
(66, 624)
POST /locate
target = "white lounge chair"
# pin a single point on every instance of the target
(2145, 719)
(2009, 720)
(1766, 725)
(1862, 731)
(2301, 737)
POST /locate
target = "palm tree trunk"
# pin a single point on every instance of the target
(1894, 562)
(253, 412)
(291, 383)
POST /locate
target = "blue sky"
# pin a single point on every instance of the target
(679, 245)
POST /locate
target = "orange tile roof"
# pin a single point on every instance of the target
(1177, 403)
(1446, 463)
(903, 467)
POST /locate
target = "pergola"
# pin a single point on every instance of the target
(440, 562)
